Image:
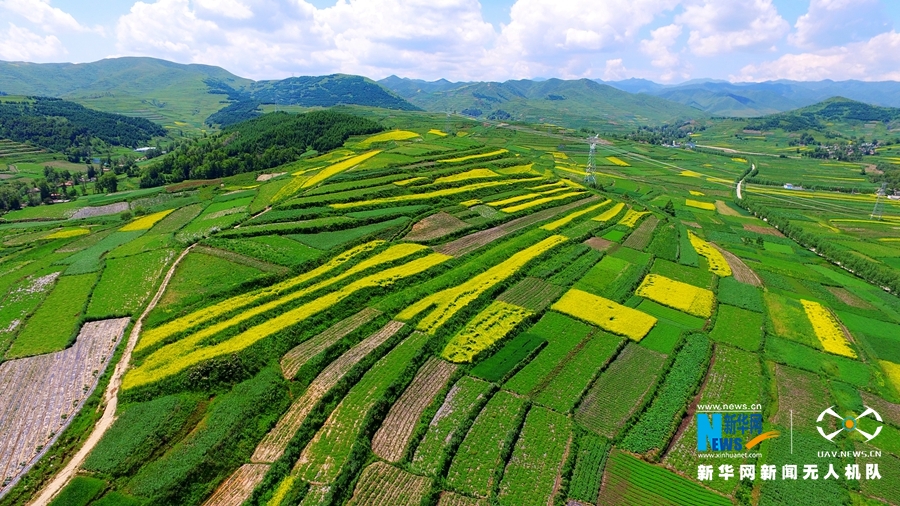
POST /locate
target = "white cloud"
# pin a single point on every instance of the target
(371, 37)
(41, 13)
(21, 44)
(658, 48)
(835, 22)
(718, 27)
(615, 70)
(229, 8)
(552, 37)
(877, 59)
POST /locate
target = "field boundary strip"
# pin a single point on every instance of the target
(111, 399)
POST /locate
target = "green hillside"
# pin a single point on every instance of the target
(578, 103)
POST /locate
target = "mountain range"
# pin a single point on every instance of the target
(182, 96)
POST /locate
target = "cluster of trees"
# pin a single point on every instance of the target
(664, 134)
(235, 112)
(886, 173)
(869, 270)
(70, 128)
(258, 144)
(327, 91)
(817, 116)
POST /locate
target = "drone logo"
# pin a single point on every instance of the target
(849, 424)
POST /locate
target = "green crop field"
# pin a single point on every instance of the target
(314, 290)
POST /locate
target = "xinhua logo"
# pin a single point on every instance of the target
(849, 424)
(730, 431)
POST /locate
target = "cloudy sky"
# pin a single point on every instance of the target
(663, 40)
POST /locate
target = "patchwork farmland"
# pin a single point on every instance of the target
(427, 319)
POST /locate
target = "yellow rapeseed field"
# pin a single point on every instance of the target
(618, 161)
(180, 355)
(290, 188)
(892, 371)
(339, 167)
(65, 234)
(559, 156)
(429, 195)
(393, 135)
(553, 225)
(741, 160)
(689, 173)
(631, 218)
(518, 169)
(513, 200)
(606, 314)
(696, 193)
(473, 157)
(717, 263)
(678, 295)
(447, 303)
(709, 206)
(465, 176)
(145, 222)
(827, 329)
(488, 327)
(547, 186)
(437, 132)
(610, 213)
(470, 203)
(409, 181)
(543, 200)
(158, 334)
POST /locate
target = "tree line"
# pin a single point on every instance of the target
(257, 144)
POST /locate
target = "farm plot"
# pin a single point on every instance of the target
(586, 478)
(485, 329)
(451, 499)
(52, 325)
(563, 335)
(799, 392)
(531, 293)
(538, 202)
(237, 488)
(145, 222)
(430, 195)
(476, 240)
(276, 440)
(610, 213)
(881, 336)
(632, 217)
(500, 364)
(20, 301)
(448, 426)
(641, 237)
(738, 268)
(334, 239)
(675, 294)
(383, 485)
(448, 302)
(393, 437)
(738, 327)
(828, 329)
(788, 319)
(294, 359)
(652, 431)
(620, 390)
(606, 314)
(632, 481)
(126, 283)
(40, 395)
(563, 389)
(466, 176)
(733, 292)
(434, 227)
(178, 356)
(324, 457)
(736, 375)
(531, 475)
(478, 463)
(158, 334)
(717, 263)
(690, 275)
(565, 220)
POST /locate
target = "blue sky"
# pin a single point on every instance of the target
(667, 41)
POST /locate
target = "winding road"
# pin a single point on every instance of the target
(111, 400)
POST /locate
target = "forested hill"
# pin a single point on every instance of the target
(305, 91)
(257, 144)
(60, 125)
(818, 116)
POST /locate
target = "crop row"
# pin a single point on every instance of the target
(393, 437)
(488, 327)
(325, 456)
(176, 357)
(383, 485)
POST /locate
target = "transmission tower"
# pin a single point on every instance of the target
(589, 178)
(879, 203)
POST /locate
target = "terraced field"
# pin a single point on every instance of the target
(415, 318)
